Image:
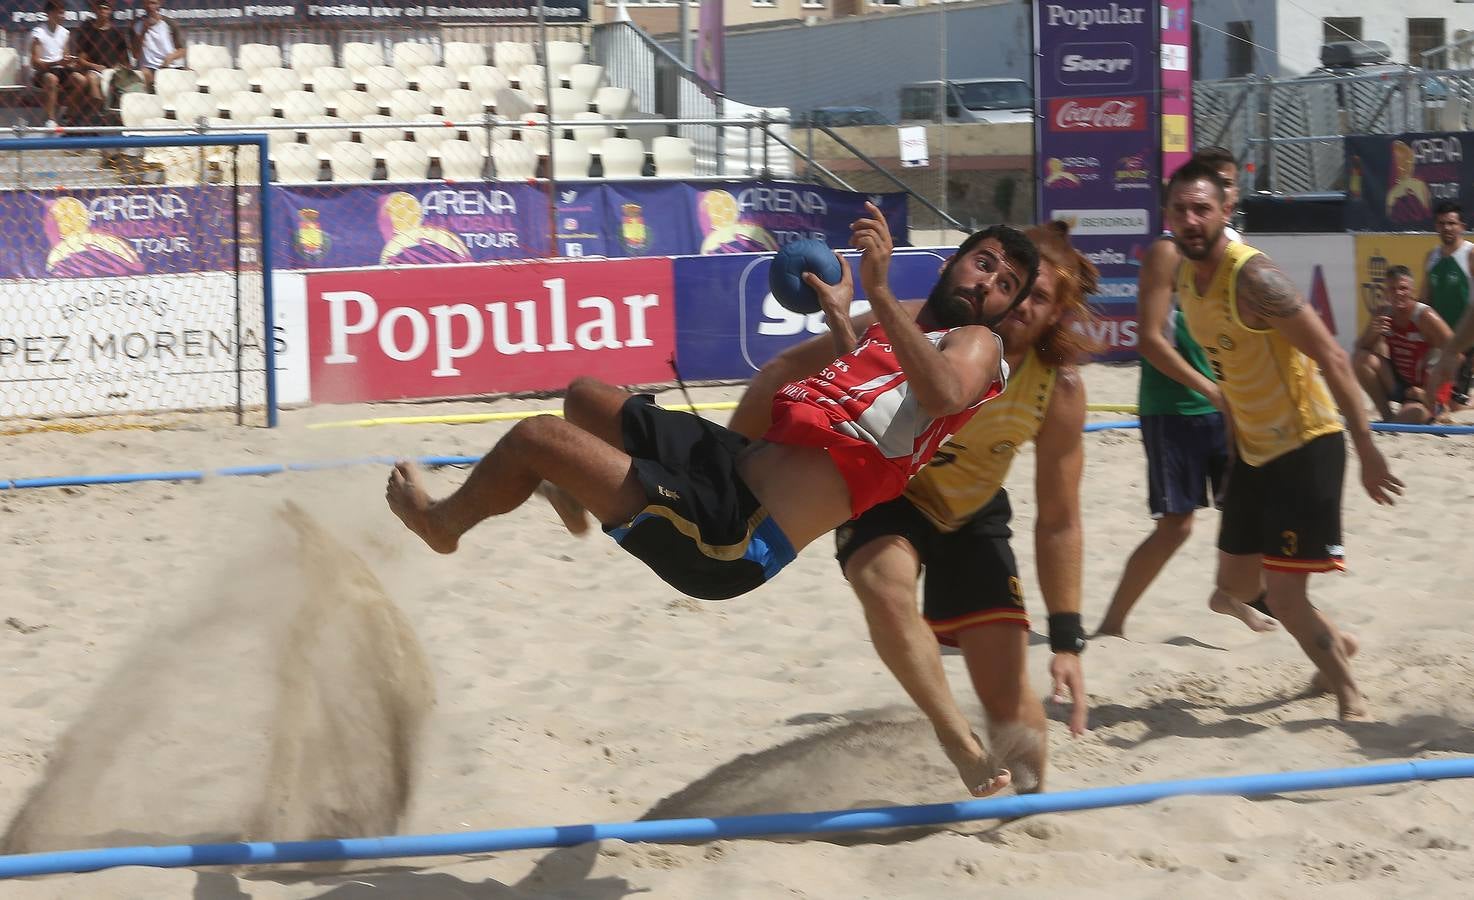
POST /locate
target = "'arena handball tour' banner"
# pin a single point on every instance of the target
(427, 223)
(1393, 182)
(123, 231)
(24, 14)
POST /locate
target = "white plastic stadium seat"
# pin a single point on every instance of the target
(275, 82)
(351, 162)
(308, 58)
(511, 103)
(562, 56)
(205, 58)
(255, 57)
(586, 79)
(376, 139)
(533, 82)
(302, 106)
(513, 160)
(168, 82)
(591, 135)
(461, 161)
(296, 163)
(322, 140)
(434, 81)
(221, 83)
(381, 81)
(461, 105)
(566, 103)
(411, 56)
(570, 159)
(485, 81)
(674, 157)
(511, 56)
(190, 108)
(355, 106)
(613, 102)
(327, 81)
(276, 137)
(139, 107)
(622, 157)
(244, 106)
(461, 57)
(535, 133)
(358, 57)
(405, 105)
(433, 135)
(406, 161)
(9, 66)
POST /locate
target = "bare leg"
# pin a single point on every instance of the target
(1238, 584)
(883, 574)
(1349, 646)
(1317, 636)
(1374, 376)
(597, 408)
(596, 475)
(77, 93)
(1017, 737)
(1142, 568)
(50, 88)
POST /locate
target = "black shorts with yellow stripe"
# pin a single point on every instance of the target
(703, 532)
(1289, 509)
(970, 575)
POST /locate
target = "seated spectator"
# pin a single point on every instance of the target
(53, 68)
(103, 58)
(157, 42)
(1408, 329)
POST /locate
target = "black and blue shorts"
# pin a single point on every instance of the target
(971, 576)
(1186, 461)
(1288, 510)
(703, 532)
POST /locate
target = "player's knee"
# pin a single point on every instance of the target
(49, 82)
(1176, 528)
(533, 435)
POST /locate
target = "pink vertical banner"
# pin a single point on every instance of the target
(1176, 84)
(710, 44)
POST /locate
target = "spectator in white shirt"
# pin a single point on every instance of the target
(157, 42)
(53, 67)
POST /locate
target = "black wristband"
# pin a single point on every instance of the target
(1066, 634)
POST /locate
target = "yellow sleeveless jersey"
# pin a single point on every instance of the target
(970, 468)
(1278, 397)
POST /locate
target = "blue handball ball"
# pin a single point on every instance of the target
(785, 276)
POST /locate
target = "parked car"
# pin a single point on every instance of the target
(991, 100)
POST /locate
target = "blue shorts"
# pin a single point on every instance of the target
(1186, 462)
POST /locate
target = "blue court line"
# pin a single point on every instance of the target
(469, 842)
(276, 468)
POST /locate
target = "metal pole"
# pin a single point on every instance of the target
(946, 88)
(683, 23)
(542, 35)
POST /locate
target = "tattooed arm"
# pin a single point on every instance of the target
(1267, 298)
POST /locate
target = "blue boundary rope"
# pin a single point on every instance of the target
(724, 828)
(277, 468)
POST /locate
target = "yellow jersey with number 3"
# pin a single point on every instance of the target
(1276, 393)
(969, 469)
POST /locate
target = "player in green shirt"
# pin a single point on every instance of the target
(1446, 281)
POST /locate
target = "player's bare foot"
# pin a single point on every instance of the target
(1349, 646)
(416, 510)
(575, 517)
(1229, 606)
(980, 773)
(1021, 751)
(1351, 707)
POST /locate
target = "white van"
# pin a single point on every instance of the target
(995, 101)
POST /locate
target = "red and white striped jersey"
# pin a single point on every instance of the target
(860, 408)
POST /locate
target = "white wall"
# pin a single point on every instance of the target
(1212, 18)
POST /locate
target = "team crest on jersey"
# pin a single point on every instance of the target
(1004, 447)
(1225, 342)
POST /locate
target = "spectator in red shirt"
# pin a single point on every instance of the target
(1409, 330)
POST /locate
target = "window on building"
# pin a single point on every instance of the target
(1340, 28)
(1240, 48)
(1425, 34)
(813, 4)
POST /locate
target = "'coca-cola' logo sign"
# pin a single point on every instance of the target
(1098, 114)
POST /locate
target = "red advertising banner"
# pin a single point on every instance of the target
(1099, 114)
(392, 334)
